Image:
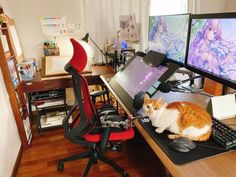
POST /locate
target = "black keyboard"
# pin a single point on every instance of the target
(223, 134)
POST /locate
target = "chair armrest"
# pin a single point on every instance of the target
(97, 93)
(65, 122)
(105, 139)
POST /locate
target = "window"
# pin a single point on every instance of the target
(166, 7)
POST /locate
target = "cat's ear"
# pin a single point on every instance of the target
(146, 97)
(160, 101)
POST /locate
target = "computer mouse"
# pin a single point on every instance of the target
(182, 144)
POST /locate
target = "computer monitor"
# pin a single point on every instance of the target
(168, 35)
(212, 47)
(139, 74)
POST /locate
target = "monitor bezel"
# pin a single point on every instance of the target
(204, 73)
(166, 58)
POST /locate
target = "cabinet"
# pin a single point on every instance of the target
(50, 107)
(13, 83)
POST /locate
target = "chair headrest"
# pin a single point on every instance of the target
(79, 58)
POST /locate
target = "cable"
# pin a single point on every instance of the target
(218, 148)
(179, 82)
(205, 94)
(189, 91)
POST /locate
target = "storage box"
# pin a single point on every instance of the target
(51, 51)
(27, 70)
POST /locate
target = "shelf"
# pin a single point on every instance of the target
(53, 119)
(50, 104)
(27, 128)
(8, 55)
(12, 81)
(17, 85)
(48, 95)
(3, 28)
(50, 107)
(24, 113)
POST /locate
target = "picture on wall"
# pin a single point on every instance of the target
(128, 28)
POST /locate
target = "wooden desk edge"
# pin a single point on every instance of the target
(104, 79)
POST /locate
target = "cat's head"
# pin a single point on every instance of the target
(151, 105)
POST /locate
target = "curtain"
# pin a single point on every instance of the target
(102, 21)
(193, 6)
(166, 7)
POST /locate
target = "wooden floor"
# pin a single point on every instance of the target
(47, 148)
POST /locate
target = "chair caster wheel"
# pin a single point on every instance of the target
(60, 166)
(125, 174)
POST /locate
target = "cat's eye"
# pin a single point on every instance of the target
(147, 106)
(155, 108)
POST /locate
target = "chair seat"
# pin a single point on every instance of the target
(125, 135)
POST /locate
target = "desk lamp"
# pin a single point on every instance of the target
(85, 39)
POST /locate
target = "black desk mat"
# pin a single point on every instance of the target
(203, 150)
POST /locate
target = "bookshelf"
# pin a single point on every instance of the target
(8, 61)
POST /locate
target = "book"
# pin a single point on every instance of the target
(4, 43)
(13, 72)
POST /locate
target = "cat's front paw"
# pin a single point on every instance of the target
(159, 130)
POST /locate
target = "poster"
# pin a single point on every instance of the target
(53, 26)
(73, 28)
(128, 28)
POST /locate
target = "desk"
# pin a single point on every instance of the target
(61, 82)
(217, 166)
(39, 84)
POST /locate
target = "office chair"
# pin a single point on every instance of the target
(86, 128)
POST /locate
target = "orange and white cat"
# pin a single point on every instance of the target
(184, 119)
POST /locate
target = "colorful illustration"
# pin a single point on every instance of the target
(168, 35)
(212, 47)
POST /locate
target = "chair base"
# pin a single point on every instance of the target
(93, 154)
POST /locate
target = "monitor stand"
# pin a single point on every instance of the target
(190, 85)
(224, 90)
(193, 88)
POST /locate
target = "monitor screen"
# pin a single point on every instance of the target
(212, 47)
(168, 35)
(140, 73)
(139, 76)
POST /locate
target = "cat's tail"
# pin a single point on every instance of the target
(202, 137)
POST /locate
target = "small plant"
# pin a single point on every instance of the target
(3, 18)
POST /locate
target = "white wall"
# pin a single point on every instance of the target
(207, 6)
(9, 138)
(27, 13)
(230, 6)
